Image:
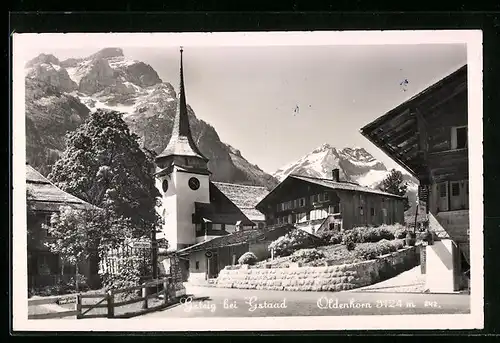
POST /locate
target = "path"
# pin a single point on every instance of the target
(224, 302)
(410, 281)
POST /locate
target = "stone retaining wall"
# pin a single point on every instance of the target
(327, 278)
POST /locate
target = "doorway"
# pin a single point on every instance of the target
(213, 266)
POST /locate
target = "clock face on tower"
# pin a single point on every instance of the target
(194, 183)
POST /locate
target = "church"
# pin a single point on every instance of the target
(193, 208)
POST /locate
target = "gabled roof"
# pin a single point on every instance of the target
(396, 132)
(239, 237)
(218, 215)
(344, 186)
(45, 196)
(181, 142)
(245, 197)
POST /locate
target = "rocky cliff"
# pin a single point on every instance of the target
(61, 94)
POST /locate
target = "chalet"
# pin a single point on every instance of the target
(315, 204)
(44, 199)
(427, 135)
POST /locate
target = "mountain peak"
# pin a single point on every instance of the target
(43, 58)
(108, 53)
(323, 147)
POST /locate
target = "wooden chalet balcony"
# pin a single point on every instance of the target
(455, 225)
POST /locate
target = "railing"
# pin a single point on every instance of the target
(108, 302)
(51, 315)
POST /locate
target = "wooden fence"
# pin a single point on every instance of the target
(107, 302)
(115, 260)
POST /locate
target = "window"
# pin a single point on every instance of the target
(372, 211)
(326, 197)
(459, 137)
(278, 220)
(361, 212)
(217, 227)
(302, 217)
(260, 225)
(208, 226)
(313, 199)
(442, 190)
(47, 222)
(384, 212)
(197, 265)
(333, 209)
(285, 220)
(455, 189)
(302, 202)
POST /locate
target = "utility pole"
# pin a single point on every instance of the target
(154, 256)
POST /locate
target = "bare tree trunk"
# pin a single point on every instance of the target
(76, 278)
(416, 217)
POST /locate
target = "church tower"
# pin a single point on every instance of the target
(182, 177)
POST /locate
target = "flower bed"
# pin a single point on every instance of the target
(322, 278)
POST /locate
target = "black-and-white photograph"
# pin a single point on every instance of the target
(319, 179)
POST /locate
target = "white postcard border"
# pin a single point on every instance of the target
(473, 41)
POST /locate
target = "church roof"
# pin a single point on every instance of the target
(181, 142)
(245, 197)
(240, 237)
(43, 195)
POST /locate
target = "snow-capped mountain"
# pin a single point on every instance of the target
(61, 94)
(354, 164)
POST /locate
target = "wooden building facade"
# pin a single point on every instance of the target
(315, 204)
(427, 135)
(43, 200)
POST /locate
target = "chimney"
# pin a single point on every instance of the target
(336, 174)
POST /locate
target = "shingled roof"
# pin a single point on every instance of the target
(346, 186)
(45, 196)
(181, 142)
(245, 197)
(239, 237)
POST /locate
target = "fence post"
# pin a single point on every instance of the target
(165, 290)
(111, 304)
(144, 295)
(79, 306)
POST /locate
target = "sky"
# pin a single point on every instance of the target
(278, 103)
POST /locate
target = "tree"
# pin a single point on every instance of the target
(78, 233)
(104, 165)
(394, 183)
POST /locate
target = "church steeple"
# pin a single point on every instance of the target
(181, 142)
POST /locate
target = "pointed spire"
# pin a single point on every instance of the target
(181, 142)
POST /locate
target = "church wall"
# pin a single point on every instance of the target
(186, 197)
(170, 220)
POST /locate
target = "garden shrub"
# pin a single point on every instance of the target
(292, 241)
(63, 287)
(373, 250)
(349, 241)
(331, 237)
(307, 255)
(370, 234)
(247, 258)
